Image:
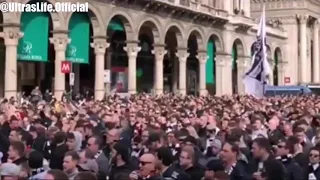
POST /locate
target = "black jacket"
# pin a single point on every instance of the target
(293, 170)
(312, 171)
(239, 172)
(175, 173)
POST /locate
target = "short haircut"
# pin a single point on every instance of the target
(85, 176)
(234, 147)
(73, 154)
(298, 130)
(164, 154)
(70, 135)
(60, 137)
(98, 140)
(19, 147)
(263, 143)
(58, 174)
(191, 153)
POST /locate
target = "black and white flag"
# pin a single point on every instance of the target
(257, 77)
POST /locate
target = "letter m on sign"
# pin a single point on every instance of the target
(65, 67)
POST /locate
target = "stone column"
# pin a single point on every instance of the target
(303, 50)
(60, 42)
(227, 75)
(316, 63)
(132, 50)
(242, 65)
(271, 64)
(223, 74)
(281, 72)
(159, 52)
(202, 58)
(11, 39)
(182, 55)
(99, 44)
(220, 63)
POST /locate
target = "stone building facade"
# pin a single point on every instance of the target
(227, 23)
(300, 20)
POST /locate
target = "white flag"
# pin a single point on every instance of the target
(257, 76)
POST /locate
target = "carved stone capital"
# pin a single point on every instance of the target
(132, 50)
(202, 58)
(316, 24)
(159, 52)
(11, 38)
(60, 43)
(303, 18)
(182, 54)
(100, 46)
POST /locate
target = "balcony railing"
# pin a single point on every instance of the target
(196, 6)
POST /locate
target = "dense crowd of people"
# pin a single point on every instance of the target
(168, 137)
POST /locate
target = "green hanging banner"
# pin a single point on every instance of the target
(78, 48)
(33, 46)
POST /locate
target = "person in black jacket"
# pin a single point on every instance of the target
(234, 168)
(285, 149)
(261, 151)
(166, 166)
(60, 148)
(188, 161)
(313, 170)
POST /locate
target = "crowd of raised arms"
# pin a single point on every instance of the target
(168, 137)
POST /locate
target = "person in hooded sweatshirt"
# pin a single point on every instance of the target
(35, 162)
(74, 141)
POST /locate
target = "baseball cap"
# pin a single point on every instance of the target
(9, 169)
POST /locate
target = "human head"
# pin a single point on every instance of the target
(55, 174)
(113, 136)
(260, 147)
(300, 134)
(94, 143)
(16, 150)
(70, 161)
(85, 176)
(284, 147)
(9, 171)
(229, 152)
(314, 155)
(147, 165)
(164, 156)
(15, 135)
(187, 157)
(120, 152)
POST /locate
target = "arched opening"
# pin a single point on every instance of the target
(2, 59)
(171, 62)
(35, 52)
(277, 60)
(210, 65)
(192, 64)
(145, 60)
(237, 50)
(81, 54)
(234, 69)
(117, 59)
